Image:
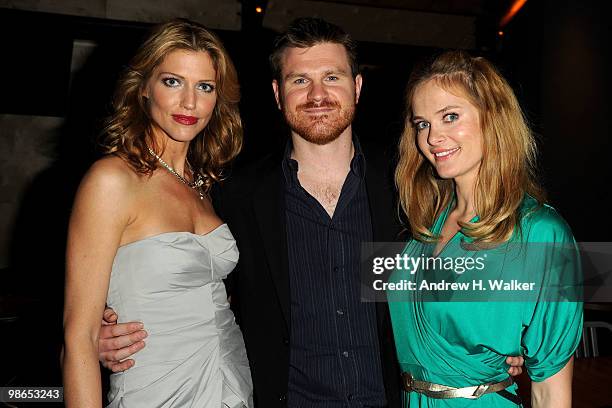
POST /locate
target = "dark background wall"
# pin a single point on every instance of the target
(59, 66)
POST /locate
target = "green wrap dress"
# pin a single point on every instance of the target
(461, 338)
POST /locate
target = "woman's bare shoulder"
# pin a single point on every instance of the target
(110, 178)
(112, 171)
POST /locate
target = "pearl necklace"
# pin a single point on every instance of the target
(196, 185)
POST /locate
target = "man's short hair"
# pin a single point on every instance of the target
(306, 32)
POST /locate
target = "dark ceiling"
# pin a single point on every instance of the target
(465, 7)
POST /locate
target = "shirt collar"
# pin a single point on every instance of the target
(290, 166)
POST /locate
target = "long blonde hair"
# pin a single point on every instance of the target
(507, 170)
(128, 131)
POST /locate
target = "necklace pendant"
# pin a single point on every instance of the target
(195, 185)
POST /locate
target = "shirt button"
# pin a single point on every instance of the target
(345, 353)
(340, 312)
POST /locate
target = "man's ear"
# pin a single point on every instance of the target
(276, 93)
(358, 83)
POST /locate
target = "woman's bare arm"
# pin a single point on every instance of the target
(99, 217)
(555, 391)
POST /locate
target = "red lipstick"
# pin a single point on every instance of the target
(185, 120)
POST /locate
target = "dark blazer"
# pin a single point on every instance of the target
(252, 203)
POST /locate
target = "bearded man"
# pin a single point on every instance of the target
(311, 341)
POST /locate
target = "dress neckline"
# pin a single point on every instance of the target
(439, 224)
(161, 234)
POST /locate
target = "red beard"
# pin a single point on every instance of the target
(320, 129)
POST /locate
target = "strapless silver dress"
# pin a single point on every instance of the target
(194, 354)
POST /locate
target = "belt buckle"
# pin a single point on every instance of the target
(479, 391)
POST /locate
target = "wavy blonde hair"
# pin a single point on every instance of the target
(507, 170)
(128, 131)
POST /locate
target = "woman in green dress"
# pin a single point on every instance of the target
(466, 184)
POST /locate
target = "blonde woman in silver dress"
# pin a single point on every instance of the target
(144, 238)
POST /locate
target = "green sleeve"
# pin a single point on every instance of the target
(553, 324)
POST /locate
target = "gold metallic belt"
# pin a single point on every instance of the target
(443, 392)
